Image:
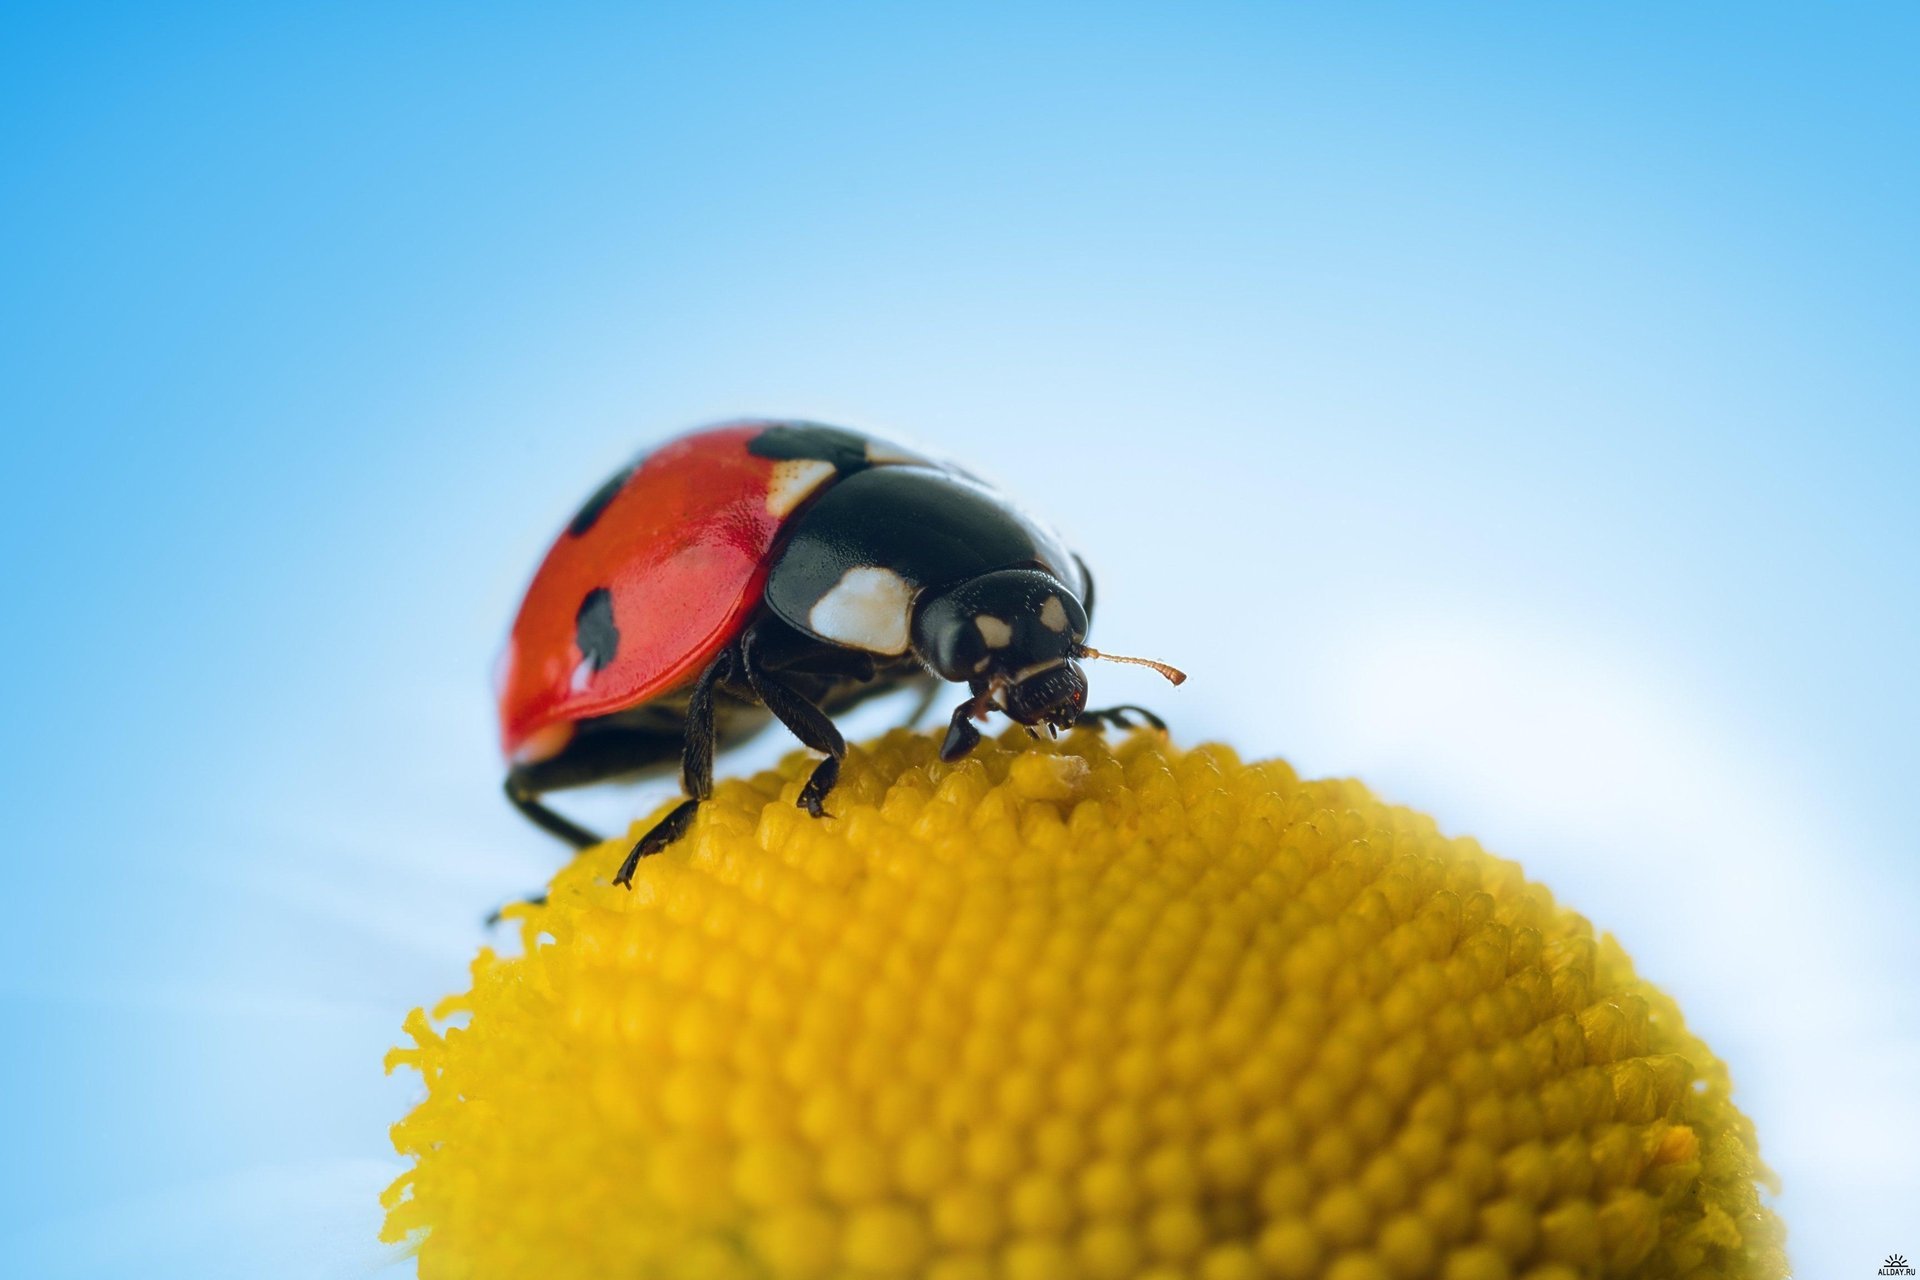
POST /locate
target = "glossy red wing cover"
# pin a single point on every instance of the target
(682, 549)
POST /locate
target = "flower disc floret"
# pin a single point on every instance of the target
(1067, 1009)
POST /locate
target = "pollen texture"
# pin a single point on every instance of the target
(1074, 1009)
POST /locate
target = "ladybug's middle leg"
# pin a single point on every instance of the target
(929, 695)
(803, 720)
(696, 769)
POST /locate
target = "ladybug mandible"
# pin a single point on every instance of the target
(782, 570)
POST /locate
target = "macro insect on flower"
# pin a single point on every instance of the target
(782, 571)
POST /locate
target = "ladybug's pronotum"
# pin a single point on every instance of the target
(782, 570)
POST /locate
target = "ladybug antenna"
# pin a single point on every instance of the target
(1173, 674)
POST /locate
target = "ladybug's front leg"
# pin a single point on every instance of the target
(803, 720)
(696, 769)
(962, 737)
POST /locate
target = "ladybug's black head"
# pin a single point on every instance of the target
(1013, 632)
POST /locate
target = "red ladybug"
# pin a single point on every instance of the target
(782, 570)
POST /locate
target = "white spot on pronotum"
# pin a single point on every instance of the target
(880, 453)
(1053, 614)
(582, 675)
(792, 481)
(869, 608)
(994, 631)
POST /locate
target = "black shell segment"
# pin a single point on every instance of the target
(813, 441)
(591, 511)
(927, 526)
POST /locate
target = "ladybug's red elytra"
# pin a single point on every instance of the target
(784, 571)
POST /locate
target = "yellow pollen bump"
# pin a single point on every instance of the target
(1073, 1009)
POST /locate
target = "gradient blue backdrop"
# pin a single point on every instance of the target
(1516, 408)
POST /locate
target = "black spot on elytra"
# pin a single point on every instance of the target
(585, 518)
(593, 629)
(787, 441)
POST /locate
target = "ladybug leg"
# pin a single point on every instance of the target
(820, 661)
(962, 737)
(1121, 717)
(527, 801)
(696, 769)
(662, 834)
(922, 704)
(804, 721)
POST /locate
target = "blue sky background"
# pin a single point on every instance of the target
(1517, 408)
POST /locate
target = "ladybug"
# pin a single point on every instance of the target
(774, 570)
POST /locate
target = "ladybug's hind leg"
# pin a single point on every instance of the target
(803, 719)
(696, 769)
(527, 801)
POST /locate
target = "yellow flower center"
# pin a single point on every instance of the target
(1068, 1009)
